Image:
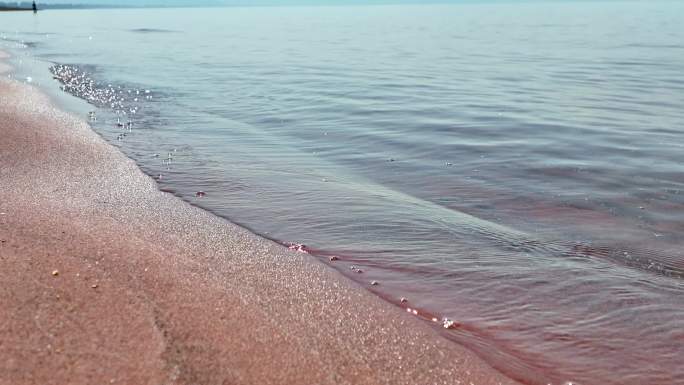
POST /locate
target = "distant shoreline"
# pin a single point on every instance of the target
(6, 9)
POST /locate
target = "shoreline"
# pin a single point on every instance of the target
(108, 279)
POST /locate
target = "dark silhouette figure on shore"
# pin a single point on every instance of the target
(35, 8)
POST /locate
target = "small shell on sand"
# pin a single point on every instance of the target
(403, 300)
(298, 247)
(449, 324)
(333, 258)
(55, 273)
(374, 283)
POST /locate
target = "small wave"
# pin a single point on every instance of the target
(645, 260)
(22, 43)
(152, 30)
(653, 46)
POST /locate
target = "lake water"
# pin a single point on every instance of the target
(515, 167)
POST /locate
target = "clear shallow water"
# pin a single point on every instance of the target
(514, 167)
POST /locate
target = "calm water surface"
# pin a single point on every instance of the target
(517, 168)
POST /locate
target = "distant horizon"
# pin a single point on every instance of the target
(52, 4)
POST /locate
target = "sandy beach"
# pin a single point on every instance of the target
(106, 279)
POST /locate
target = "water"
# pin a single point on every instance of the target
(516, 168)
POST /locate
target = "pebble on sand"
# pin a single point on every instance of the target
(374, 283)
(55, 273)
(333, 258)
(412, 311)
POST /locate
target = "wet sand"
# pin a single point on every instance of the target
(105, 279)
